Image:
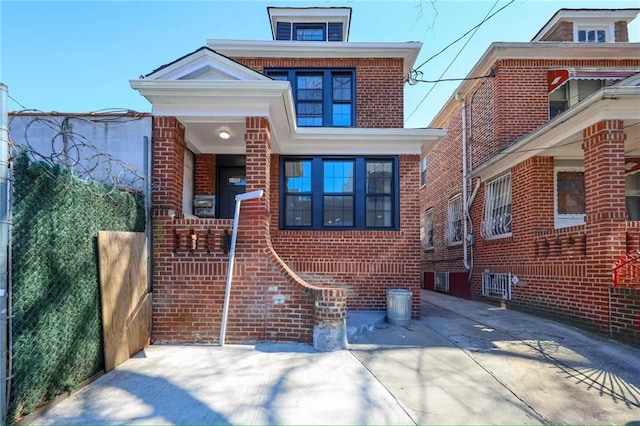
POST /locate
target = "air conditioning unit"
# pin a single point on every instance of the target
(442, 282)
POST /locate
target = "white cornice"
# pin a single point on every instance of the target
(610, 103)
(199, 101)
(601, 15)
(201, 59)
(532, 50)
(317, 49)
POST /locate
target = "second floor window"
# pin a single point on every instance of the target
(323, 98)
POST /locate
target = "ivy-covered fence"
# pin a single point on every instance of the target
(56, 327)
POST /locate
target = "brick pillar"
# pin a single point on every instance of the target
(168, 164)
(205, 165)
(604, 176)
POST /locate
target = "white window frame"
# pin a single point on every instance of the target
(497, 197)
(453, 234)
(609, 31)
(427, 229)
(423, 171)
(564, 220)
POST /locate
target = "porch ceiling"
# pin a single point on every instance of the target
(562, 137)
(206, 107)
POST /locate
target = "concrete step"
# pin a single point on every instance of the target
(360, 323)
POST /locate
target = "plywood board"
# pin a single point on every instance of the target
(126, 303)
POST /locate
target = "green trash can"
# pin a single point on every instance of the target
(399, 306)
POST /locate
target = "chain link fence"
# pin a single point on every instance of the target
(63, 194)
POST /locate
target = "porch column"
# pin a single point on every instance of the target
(258, 165)
(604, 176)
(168, 164)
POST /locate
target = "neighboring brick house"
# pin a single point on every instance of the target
(315, 122)
(542, 151)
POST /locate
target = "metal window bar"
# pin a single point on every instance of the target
(454, 220)
(496, 285)
(497, 208)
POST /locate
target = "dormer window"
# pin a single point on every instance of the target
(592, 35)
(310, 23)
(309, 32)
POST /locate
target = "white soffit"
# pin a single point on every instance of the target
(530, 50)
(408, 51)
(211, 101)
(610, 103)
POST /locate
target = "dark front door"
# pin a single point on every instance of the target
(232, 182)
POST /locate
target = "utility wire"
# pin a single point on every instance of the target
(474, 30)
(486, 18)
(16, 101)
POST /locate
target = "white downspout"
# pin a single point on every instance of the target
(465, 203)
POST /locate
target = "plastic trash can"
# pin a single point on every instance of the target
(399, 306)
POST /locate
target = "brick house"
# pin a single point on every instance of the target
(315, 121)
(532, 197)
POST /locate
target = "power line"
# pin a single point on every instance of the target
(16, 101)
(486, 18)
(475, 30)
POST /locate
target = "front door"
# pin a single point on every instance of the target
(232, 182)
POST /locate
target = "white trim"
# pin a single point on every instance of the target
(201, 60)
(529, 50)
(314, 15)
(609, 103)
(564, 220)
(318, 49)
(573, 15)
(211, 101)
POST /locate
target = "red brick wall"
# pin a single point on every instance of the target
(562, 32)
(268, 300)
(564, 272)
(621, 32)
(366, 263)
(205, 174)
(379, 85)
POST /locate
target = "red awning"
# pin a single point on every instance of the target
(558, 77)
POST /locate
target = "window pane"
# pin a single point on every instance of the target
(601, 36)
(309, 114)
(379, 211)
(309, 87)
(571, 193)
(310, 34)
(298, 210)
(281, 76)
(591, 36)
(427, 237)
(341, 87)
(297, 176)
(582, 35)
(587, 87)
(379, 177)
(338, 210)
(338, 176)
(342, 114)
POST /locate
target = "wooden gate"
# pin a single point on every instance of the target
(126, 302)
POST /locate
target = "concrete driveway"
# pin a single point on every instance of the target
(462, 363)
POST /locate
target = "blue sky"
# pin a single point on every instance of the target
(79, 56)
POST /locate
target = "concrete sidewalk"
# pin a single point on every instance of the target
(463, 363)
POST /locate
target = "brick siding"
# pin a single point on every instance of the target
(379, 85)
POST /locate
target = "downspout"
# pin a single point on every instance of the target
(465, 203)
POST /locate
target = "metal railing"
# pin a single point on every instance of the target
(497, 286)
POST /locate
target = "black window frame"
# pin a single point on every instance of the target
(359, 192)
(328, 100)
